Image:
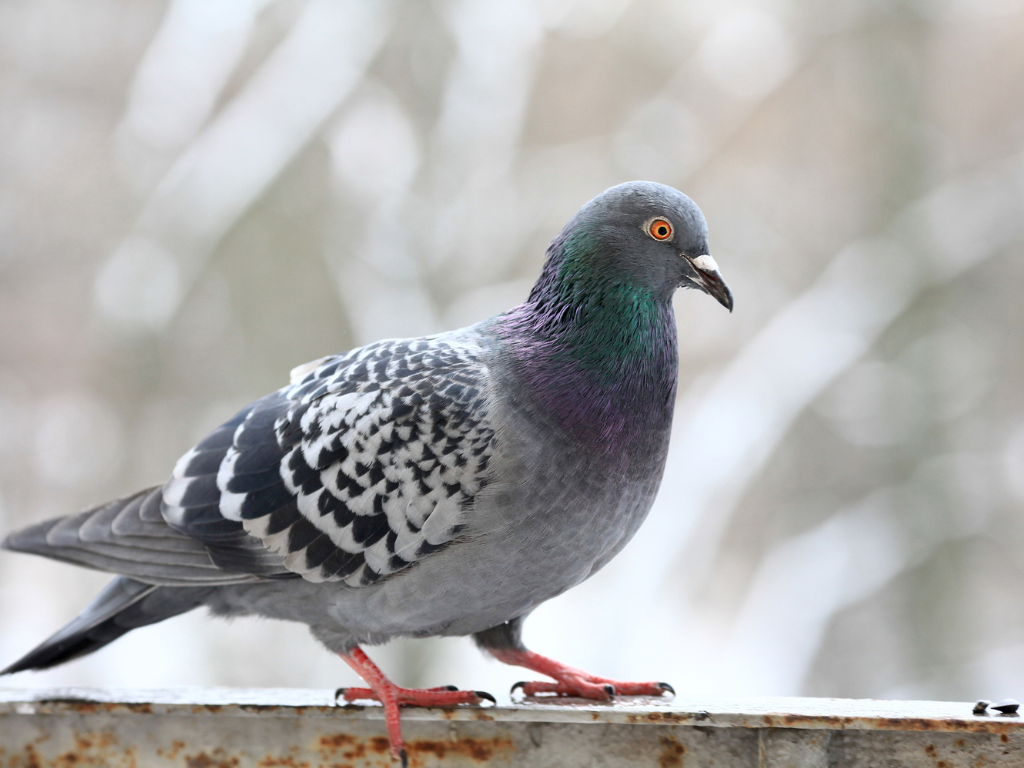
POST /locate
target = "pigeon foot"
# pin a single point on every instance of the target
(393, 696)
(570, 681)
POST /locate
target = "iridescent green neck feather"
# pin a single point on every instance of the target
(595, 345)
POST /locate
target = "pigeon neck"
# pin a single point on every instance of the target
(599, 354)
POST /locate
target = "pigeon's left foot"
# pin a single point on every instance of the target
(392, 697)
(570, 681)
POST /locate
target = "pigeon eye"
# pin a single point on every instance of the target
(660, 229)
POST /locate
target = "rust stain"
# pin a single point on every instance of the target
(89, 707)
(91, 750)
(665, 718)
(351, 748)
(281, 762)
(671, 753)
(336, 741)
(480, 750)
(100, 740)
(31, 758)
(836, 722)
(202, 709)
(918, 724)
(219, 759)
(172, 753)
(796, 720)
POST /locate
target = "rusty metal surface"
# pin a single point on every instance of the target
(212, 728)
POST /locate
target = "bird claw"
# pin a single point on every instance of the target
(590, 687)
(570, 686)
(569, 681)
(411, 696)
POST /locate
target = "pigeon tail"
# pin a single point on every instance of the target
(124, 605)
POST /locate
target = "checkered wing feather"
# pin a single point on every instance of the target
(367, 463)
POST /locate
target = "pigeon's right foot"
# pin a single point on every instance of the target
(392, 697)
(570, 681)
(367, 694)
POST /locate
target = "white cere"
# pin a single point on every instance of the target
(705, 263)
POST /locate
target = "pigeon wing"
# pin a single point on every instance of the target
(367, 463)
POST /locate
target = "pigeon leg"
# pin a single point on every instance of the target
(570, 681)
(392, 697)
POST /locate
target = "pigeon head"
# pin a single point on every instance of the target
(645, 237)
(596, 342)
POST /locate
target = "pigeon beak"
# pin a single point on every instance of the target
(710, 281)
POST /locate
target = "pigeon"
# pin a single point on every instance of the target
(442, 485)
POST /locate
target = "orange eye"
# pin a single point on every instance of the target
(660, 229)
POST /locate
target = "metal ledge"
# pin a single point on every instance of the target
(291, 728)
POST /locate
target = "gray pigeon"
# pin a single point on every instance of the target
(444, 485)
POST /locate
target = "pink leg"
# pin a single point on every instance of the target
(571, 681)
(392, 697)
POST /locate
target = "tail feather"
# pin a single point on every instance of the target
(125, 604)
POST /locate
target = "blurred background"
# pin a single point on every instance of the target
(196, 196)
